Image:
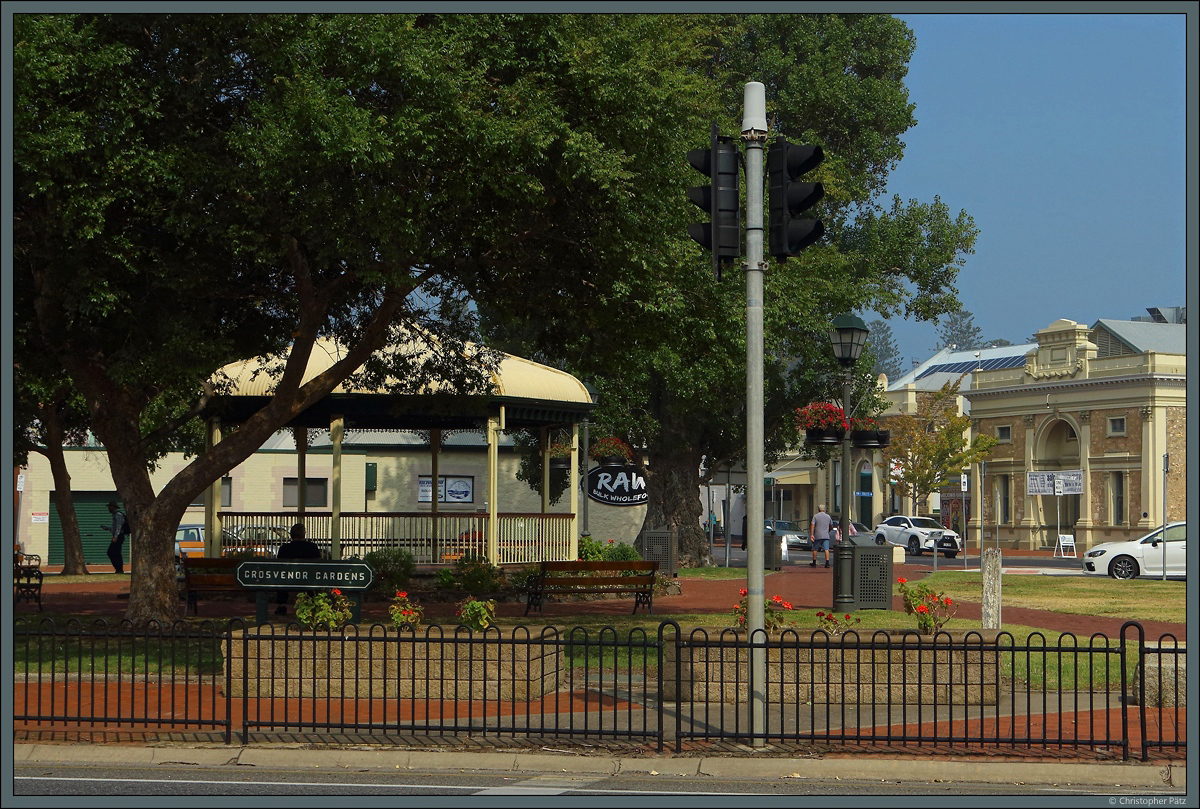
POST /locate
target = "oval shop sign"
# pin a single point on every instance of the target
(617, 485)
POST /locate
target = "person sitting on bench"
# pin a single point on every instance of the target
(298, 548)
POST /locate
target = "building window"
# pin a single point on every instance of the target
(1116, 494)
(1071, 435)
(1004, 433)
(1002, 504)
(315, 493)
(1116, 426)
(226, 494)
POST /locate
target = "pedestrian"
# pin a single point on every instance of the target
(298, 548)
(818, 532)
(745, 534)
(117, 531)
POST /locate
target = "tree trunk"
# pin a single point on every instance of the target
(673, 486)
(73, 561)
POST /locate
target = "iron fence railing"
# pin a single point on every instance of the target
(662, 686)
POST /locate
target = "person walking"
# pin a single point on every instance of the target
(818, 532)
(117, 531)
(298, 548)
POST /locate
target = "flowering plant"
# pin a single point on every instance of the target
(405, 613)
(773, 612)
(832, 625)
(560, 449)
(322, 610)
(820, 416)
(864, 423)
(610, 447)
(933, 610)
(476, 615)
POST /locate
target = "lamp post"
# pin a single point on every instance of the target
(595, 397)
(848, 336)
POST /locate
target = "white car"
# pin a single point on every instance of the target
(918, 534)
(1141, 557)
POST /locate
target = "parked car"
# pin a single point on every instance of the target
(795, 536)
(260, 540)
(189, 541)
(918, 534)
(1141, 557)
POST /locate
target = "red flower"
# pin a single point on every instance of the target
(336, 591)
(777, 599)
(922, 608)
(902, 580)
(946, 601)
(820, 615)
(847, 616)
(401, 594)
(742, 591)
(787, 605)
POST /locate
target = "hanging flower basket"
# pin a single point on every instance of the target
(611, 451)
(824, 435)
(870, 439)
(560, 456)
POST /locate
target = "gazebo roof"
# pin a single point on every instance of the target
(533, 395)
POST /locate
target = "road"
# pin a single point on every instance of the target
(814, 778)
(1011, 561)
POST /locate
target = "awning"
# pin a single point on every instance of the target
(807, 476)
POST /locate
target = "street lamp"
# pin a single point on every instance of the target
(848, 336)
(595, 397)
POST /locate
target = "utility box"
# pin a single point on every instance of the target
(660, 546)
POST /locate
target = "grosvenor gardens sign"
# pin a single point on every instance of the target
(301, 575)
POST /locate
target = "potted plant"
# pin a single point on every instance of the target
(560, 455)
(822, 422)
(611, 451)
(865, 432)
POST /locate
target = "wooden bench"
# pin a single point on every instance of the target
(569, 578)
(27, 578)
(203, 574)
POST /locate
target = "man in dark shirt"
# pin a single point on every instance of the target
(298, 548)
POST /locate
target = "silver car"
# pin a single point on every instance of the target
(795, 536)
(917, 535)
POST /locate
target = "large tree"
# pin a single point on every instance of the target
(191, 190)
(668, 354)
(929, 448)
(885, 356)
(958, 332)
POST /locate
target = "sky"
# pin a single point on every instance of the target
(1064, 137)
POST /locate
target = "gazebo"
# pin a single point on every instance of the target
(523, 395)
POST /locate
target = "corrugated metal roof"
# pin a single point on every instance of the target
(1140, 335)
(516, 378)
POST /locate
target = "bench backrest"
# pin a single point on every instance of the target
(198, 570)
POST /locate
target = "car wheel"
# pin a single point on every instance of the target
(880, 540)
(1123, 567)
(950, 554)
(914, 546)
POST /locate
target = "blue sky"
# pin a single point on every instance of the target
(1064, 137)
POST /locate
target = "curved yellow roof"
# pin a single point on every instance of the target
(515, 377)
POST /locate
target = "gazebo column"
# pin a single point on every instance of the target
(574, 488)
(544, 441)
(212, 504)
(301, 437)
(435, 458)
(336, 430)
(493, 472)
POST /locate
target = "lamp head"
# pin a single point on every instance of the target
(848, 335)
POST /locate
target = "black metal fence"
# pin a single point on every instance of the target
(664, 687)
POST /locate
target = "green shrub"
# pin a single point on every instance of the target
(593, 550)
(393, 568)
(621, 552)
(590, 550)
(444, 578)
(476, 575)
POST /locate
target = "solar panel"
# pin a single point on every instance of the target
(1014, 361)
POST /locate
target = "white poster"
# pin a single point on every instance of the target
(1070, 482)
(41, 516)
(451, 489)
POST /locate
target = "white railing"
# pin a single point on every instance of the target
(523, 538)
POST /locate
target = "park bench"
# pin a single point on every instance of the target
(203, 574)
(570, 578)
(27, 578)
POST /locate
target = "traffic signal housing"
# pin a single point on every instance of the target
(787, 196)
(722, 234)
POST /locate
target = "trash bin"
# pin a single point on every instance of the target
(863, 579)
(659, 546)
(772, 551)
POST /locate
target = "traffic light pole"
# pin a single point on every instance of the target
(754, 134)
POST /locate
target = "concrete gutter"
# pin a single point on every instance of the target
(750, 763)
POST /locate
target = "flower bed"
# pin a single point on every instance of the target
(878, 668)
(385, 663)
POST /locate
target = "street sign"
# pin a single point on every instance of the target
(325, 574)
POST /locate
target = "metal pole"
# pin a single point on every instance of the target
(586, 461)
(754, 133)
(1166, 458)
(728, 512)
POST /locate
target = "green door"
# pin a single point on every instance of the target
(91, 510)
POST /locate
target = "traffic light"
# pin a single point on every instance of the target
(786, 162)
(723, 234)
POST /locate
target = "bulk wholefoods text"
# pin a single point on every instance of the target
(261, 576)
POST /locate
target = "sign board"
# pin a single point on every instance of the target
(1066, 542)
(617, 485)
(451, 489)
(1044, 482)
(301, 575)
(962, 481)
(40, 516)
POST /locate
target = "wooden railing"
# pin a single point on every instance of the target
(523, 538)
